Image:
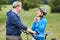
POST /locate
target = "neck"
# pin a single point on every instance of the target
(15, 10)
(38, 18)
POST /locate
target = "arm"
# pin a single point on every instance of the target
(14, 20)
(43, 25)
(33, 26)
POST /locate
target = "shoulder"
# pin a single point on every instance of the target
(10, 13)
(44, 20)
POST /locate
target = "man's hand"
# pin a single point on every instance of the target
(29, 30)
(24, 31)
(33, 32)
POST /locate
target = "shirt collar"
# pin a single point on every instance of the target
(14, 11)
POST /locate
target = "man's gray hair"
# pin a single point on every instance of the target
(16, 3)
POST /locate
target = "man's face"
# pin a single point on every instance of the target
(39, 13)
(19, 8)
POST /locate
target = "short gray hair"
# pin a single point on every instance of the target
(16, 3)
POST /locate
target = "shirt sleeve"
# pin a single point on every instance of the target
(14, 20)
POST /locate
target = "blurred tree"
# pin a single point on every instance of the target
(55, 5)
(27, 4)
(2, 2)
(44, 1)
(11, 1)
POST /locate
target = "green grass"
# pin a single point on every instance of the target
(53, 22)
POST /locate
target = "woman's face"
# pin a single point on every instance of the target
(39, 13)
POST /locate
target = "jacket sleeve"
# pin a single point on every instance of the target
(14, 20)
(42, 25)
(33, 26)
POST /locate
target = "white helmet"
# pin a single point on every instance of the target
(43, 10)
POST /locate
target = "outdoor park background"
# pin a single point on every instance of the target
(27, 16)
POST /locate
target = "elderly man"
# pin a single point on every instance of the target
(14, 26)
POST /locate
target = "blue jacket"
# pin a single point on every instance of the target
(13, 24)
(39, 26)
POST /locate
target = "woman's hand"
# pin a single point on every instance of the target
(37, 18)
